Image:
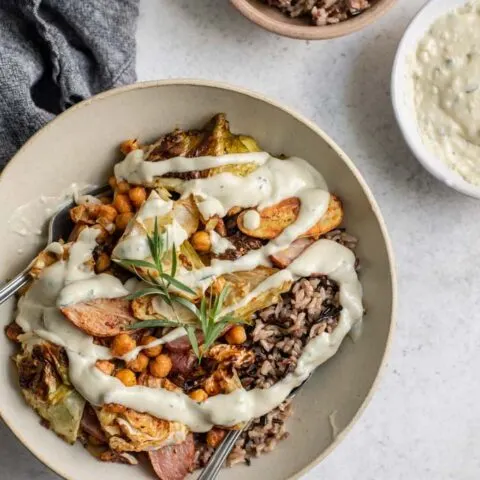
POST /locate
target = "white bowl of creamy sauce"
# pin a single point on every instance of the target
(436, 91)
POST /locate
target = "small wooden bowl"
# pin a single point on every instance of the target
(277, 22)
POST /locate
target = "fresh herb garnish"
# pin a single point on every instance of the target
(208, 316)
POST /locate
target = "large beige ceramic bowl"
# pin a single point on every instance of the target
(81, 146)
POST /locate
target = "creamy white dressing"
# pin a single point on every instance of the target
(219, 244)
(251, 220)
(74, 281)
(135, 169)
(446, 82)
(29, 221)
(269, 184)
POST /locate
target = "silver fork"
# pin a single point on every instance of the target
(218, 458)
(59, 227)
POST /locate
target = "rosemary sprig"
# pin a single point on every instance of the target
(209, 316)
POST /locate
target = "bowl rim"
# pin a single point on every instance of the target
(313, 32)
(317, 130)
(397, 86)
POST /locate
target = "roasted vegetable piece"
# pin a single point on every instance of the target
(274, 219)
(214, 139)
(223, 380)
(43, 260)
(285, 257)
(174, 462)
(184, 213)
(239, 357)
(154, 308)
(241, 284)
(42, 370)
(103, 317)
(131, 431)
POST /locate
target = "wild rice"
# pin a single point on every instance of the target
(322, 12)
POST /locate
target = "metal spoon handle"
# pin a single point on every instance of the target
(217, 460)
(13, 286)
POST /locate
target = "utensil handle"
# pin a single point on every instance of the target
(217, 460)
(13, 286)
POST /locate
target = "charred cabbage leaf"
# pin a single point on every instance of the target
(214, 139)
(43, 374)
(240, 284)
(131, 431)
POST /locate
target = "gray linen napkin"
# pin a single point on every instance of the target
(54, 53)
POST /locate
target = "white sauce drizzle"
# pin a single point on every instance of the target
(74, 281)
(135, 169)
(271, 183)
(219, 244)
(251, 220)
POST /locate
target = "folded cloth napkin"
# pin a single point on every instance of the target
(54, 53)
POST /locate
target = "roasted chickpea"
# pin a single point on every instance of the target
(160, 366)
(201, 242)
(198, 395)
(215, 437)
(105, 200)
(105, 366)
(112, 181)
(108, 212)
(152, 351)
(137, 196)
(122, 220)
(122, 203)
(127, 377)
(102, 263)
(128, 146)
(236, 335)
(122, 344)
(140, 364)
(123, 187)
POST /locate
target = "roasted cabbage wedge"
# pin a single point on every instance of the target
(185, 215)
(213, 140)
(154, 308)
(274, 219)
(239, 285)
(43, 374)
(130, 431)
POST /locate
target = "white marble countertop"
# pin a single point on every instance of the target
(423, 422)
